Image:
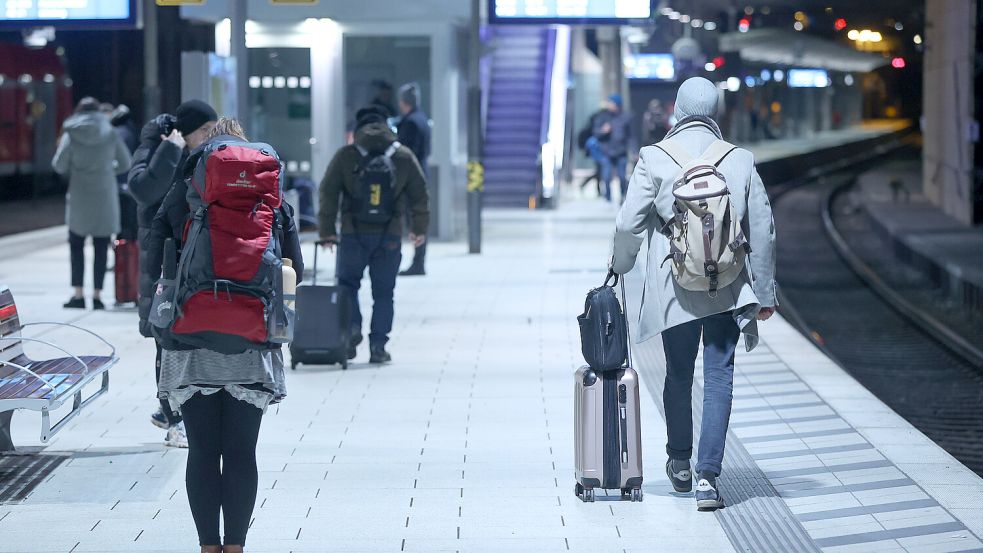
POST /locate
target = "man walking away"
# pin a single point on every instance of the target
(372, 183)
(683, 315)
(413, 132)
(612, 129)
(157, 164)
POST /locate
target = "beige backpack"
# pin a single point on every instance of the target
(706, 242)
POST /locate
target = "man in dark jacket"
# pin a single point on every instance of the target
(164, 143)
(376, 246)
(413, 132)
(612, 128)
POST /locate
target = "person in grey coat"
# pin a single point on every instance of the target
(682, 316)
(90, 154)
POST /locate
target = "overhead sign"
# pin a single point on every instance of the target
(61, 13)
(808, 78)
(650, 67)
(180, 2)
(569, 11)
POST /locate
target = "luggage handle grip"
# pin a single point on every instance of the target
(317, 246)
(612, 275)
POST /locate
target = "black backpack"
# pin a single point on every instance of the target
(375, 200)
(604, 328)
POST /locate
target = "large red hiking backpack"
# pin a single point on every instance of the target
(228, 290)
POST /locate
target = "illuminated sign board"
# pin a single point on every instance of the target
(651, 67)
(68, 13)
(808, 78)
(569, 11)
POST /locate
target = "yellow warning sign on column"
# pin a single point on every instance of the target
(294, 2)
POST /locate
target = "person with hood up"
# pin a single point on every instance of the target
(615, 139)
(157, 165)
(90, 154)
(372, 245)
(682, 316)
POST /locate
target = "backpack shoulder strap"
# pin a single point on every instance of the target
(676, 153)
(718, 152)
(392, 149)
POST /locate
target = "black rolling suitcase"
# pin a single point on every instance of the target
(323, 324)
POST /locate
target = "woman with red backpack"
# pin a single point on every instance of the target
(221, 382)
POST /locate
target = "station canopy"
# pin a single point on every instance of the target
(781, 47)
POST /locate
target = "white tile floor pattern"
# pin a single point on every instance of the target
(465, 442)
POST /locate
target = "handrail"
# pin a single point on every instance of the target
(549, 53)
(49, 344)
(112, 348)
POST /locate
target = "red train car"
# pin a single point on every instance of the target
(35, 98)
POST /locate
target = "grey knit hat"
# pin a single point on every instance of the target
(410, 93)
(696, 97)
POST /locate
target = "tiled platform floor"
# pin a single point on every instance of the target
(465, 442)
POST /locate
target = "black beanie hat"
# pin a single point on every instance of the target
(192, 114)
(371, 114)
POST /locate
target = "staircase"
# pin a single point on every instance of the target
(515, 115)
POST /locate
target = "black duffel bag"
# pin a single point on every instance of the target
(604, 328)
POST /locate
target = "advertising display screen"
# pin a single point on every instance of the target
(569, 11)
(651, 67)
(67, 13)
(808, 78)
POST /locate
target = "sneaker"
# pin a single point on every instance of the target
(176, 437)
(75, 303)
(159, 419)
(378, 355)
(680, 475)
(97, 304)
(707, 496)
(413, 271)
(353, 346)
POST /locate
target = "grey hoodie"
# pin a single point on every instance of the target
(91, 154)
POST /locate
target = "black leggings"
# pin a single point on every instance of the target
(221, 474)
(77, 245)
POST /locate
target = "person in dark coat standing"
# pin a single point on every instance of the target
(612, 128)
(413, 132)
(164, 144)
(90, 155)
(126, 130)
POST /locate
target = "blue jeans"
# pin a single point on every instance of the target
(681, 344)
(381, 254)
(610, 165)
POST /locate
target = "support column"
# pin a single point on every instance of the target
(609, 50)
(151, 71)
(948, 119)
(476, 173)
(237, 16)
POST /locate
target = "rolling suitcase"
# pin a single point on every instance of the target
(323, 325)
(126, 269)
(607, 431)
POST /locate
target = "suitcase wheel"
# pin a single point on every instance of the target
(636, 494)
(344, 364)
(293, 365)
(585, 494)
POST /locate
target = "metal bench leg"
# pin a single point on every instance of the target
(6, 444)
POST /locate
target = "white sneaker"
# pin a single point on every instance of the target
(176, 436)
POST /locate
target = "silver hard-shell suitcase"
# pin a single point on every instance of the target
(607, 427)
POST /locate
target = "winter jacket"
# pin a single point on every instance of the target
(91, 155)
(340, 184)
(172, 218)
(620, 139)
(155, 170)
(664, 303)
(413, 132)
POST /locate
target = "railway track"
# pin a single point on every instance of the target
(877, 319)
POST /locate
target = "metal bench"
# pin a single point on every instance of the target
(43, 385)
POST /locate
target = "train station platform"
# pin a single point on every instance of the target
(465, 442)
(921, 234)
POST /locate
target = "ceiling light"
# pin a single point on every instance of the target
(898, 26)
(779, 75)
(848, 80)
(684, 18)
(798, 26)
(918, 39)
(666, 10)
(853, 34)
(710, 26)
(697, 23)
(749, 10)
(674, 15)
(710, 66)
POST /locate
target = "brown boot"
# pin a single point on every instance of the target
(233, 549)
(211, 549)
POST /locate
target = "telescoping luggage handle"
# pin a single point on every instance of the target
(317, 246)
(619, 280)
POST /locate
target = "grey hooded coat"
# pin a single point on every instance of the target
(91, 154)
(664, 303)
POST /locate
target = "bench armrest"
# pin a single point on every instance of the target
(49, 344)
(112, 348)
